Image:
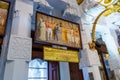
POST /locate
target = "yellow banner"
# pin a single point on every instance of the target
(53, 54)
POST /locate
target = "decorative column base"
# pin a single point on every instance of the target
(19, 53)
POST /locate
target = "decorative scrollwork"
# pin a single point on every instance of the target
(109, 10)
(91, 45)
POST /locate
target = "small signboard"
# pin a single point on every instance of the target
(54, 54)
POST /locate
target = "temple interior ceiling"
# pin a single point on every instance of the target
(87, 11)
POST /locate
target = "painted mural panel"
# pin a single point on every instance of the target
(57, 31)
(4, 9)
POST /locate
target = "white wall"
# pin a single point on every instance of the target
(64, 71)
(16, 70)
(89, 57)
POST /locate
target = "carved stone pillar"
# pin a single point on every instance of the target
(19, 53)
(20, 45)
(90, 58)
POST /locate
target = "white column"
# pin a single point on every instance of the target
(20, 45)
(114, 58)
(21, 24)
(89, 57)
(117, 74)
(64, 71)
(16, 70)
(96, 73)
(22, 19)
(114, 35)
(94, 63)
(85, 73)
(19, 53)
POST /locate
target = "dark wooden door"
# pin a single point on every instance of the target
(75, 72)
(54, 71)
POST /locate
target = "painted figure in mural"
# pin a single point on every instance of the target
(42, 29)
(49, 29)
(56, 29)
(68, 35)
(60, 32)
(64, 32)
(53, 26)
(57, 32)
(77, 37)
(38, 27)
(2, 20)
(71, 34)
(3, 16)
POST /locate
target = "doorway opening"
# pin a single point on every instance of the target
(38, 70)
(43, 70)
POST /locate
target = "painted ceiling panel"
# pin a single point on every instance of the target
(58, 4)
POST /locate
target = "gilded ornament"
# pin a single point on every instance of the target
(79, 1)
(91, 45)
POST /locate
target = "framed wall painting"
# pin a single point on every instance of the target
(4, 10)
(56, 31)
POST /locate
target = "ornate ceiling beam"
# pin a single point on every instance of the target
(109, 10)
